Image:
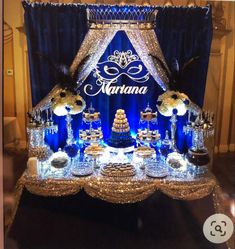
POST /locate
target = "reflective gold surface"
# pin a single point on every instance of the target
(121, 189)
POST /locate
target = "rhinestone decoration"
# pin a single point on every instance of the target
(144, 42)
(123, 190)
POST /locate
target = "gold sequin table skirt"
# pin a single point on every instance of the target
(121, 190)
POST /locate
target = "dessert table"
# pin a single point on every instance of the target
(140, 191)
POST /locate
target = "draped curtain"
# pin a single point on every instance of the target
(55, 31)
(58, 31)
(184, 33)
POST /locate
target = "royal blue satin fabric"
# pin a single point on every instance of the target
(58, 31)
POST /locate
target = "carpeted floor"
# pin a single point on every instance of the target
(81, 222)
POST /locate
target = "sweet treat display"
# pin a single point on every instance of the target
(42, 152)
(36, 134)
(176, 161)
(93, 135)
(59, 162)
(82, 169)
(118, 170)
(94, 150)
(149, 136)
(131, 73)
(120, 135)
(148, 115)
(144, 151)
(89, 117)
(59, 159)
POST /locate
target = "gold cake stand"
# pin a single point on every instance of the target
(94, 151)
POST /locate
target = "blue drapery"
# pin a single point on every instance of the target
(58, 31)
(131, 103)
(184, 33)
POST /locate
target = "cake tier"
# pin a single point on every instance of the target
(120, 111)
(148, 135)
(120, 140)
(120, 130)
(120, 116)
(120, 121)
(93, 135)
(120, 126)
(118, 170)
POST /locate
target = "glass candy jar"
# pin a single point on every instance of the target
(37, 146)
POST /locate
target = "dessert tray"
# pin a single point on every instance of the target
(94, 150)
(84, 169)
(156, 173)
(118, 170)
(144, 151)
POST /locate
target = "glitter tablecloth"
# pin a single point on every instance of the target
(122, 189)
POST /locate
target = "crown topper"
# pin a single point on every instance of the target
(121, 14)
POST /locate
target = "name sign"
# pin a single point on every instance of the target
(118, 64)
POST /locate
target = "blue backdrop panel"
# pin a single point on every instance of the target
(58, 31)
(131, 103)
